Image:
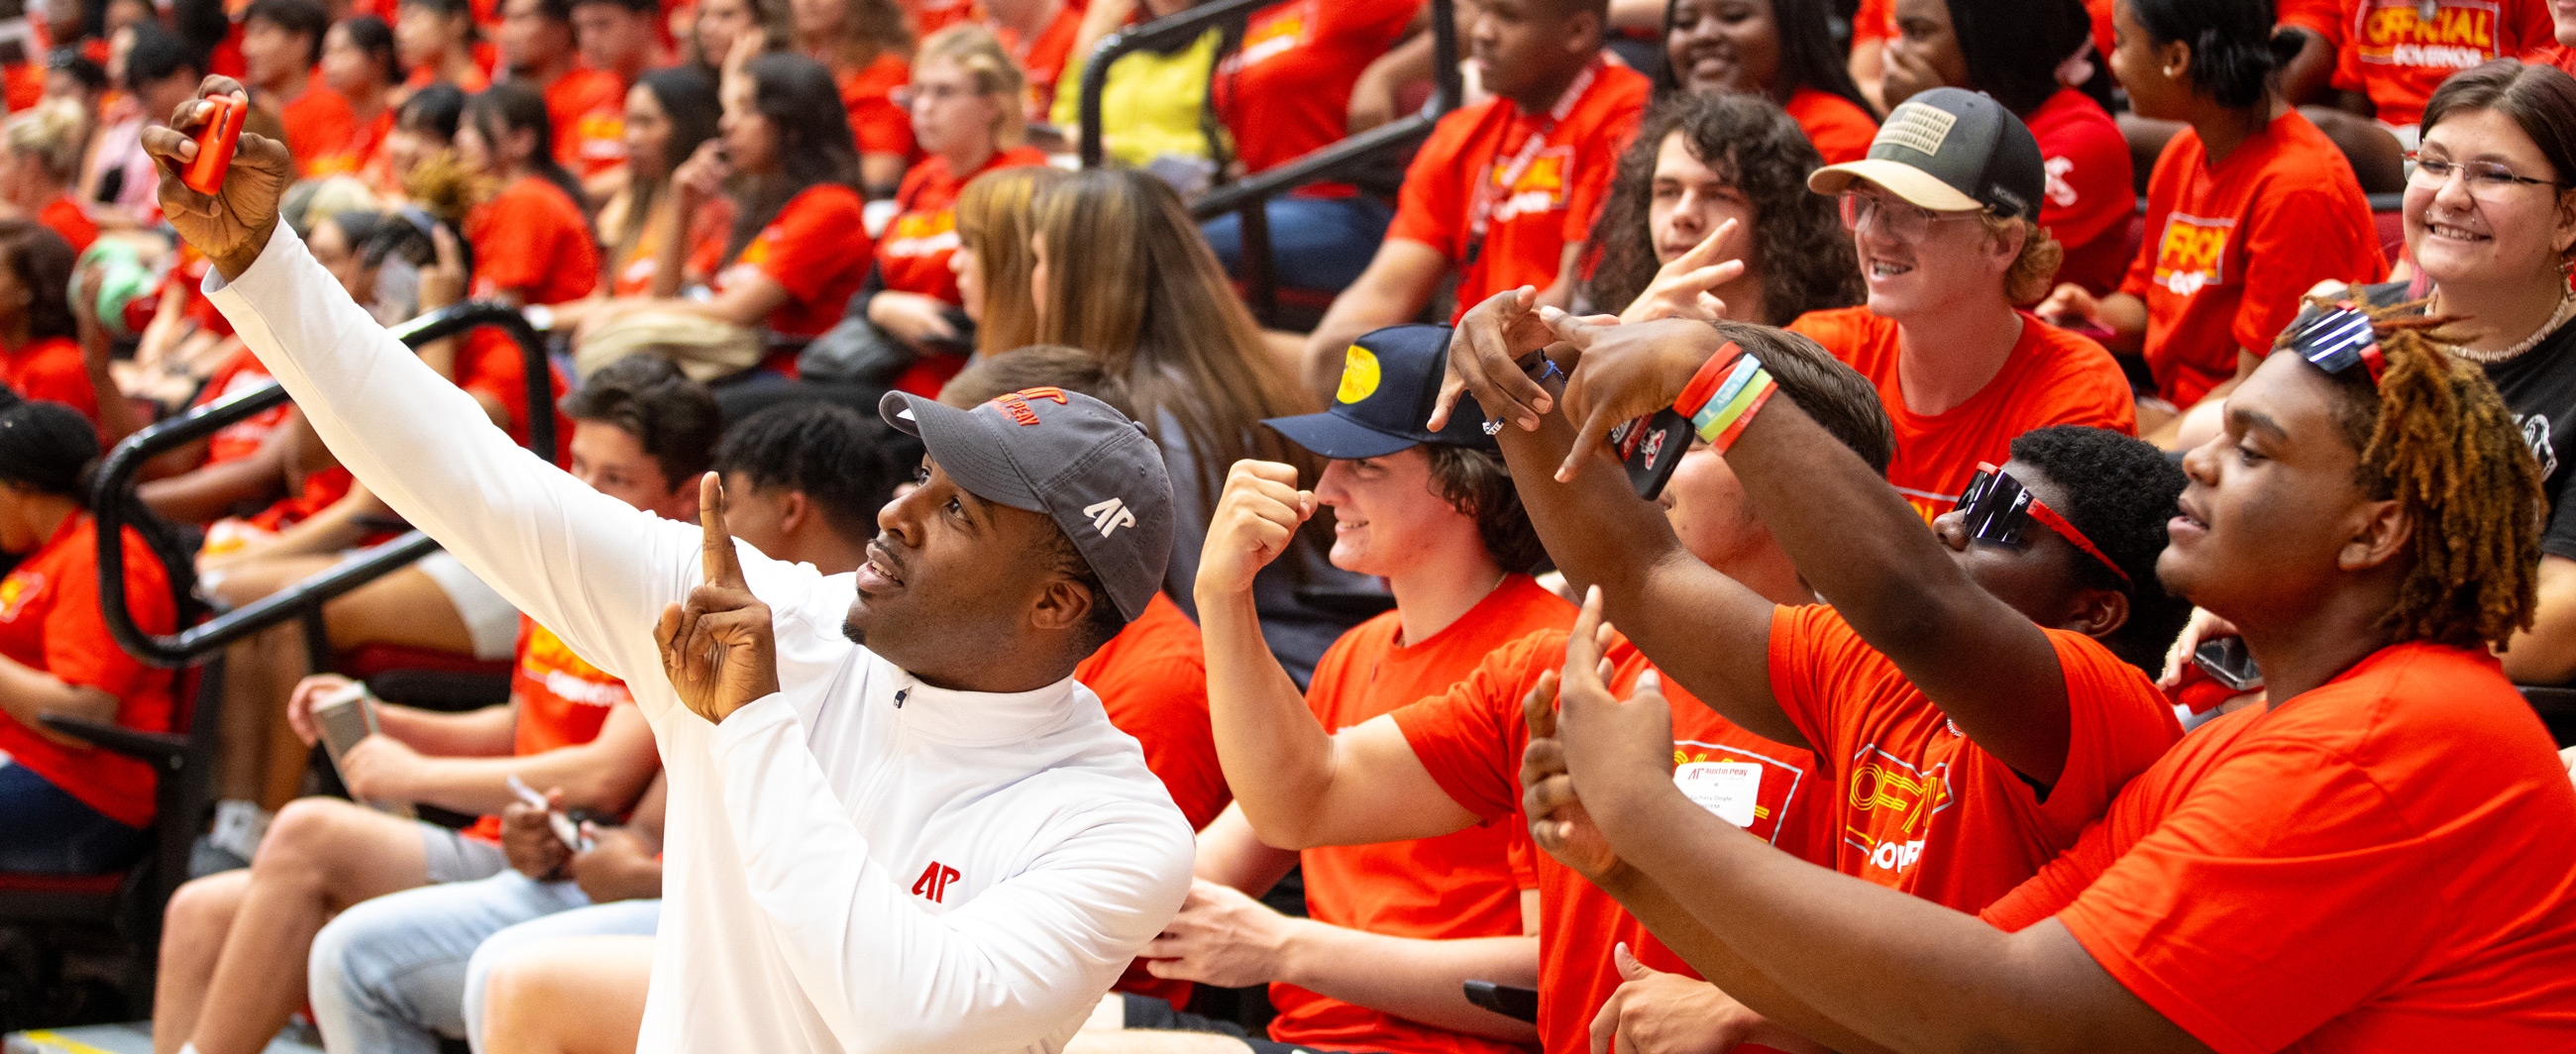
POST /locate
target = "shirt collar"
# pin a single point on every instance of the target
(981, 717)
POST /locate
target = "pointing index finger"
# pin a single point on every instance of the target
(723, 568)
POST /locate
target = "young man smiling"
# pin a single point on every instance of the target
(896, 822)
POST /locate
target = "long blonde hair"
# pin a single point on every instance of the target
(993, 223)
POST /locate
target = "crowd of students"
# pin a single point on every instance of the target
(2092, 290)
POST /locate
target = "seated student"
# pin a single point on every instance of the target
(1948, 246)
(1040, 36)
(1394, 927)
(714, 25)
(436, 41)
(2247, 209)
(1701, 163)
(39, 159)
(2012, 50)
(2388, 58)
(1153, 102)
(803, 484)
(1447, 763)
(993, 260)
(234, 940)
(40, 353)
(669, 114)
(619, 37)
(583, 105)
(1285, 92)
(532, 240)
(965, 113)
(1782, 50)
(67, 807)
(798, 248)
(358, 62)
(281, 47)
(2289, 876)
(508, 982)
(1502, 192)
(425, 127)
(866, 45)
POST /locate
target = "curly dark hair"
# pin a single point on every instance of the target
(1807, 261)
(1476, 482)
(2120, 492)
(41, 261)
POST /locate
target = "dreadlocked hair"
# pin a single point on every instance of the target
(2436, 438)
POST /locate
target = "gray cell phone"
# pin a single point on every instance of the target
(345, 717)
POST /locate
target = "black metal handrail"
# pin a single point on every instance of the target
(303, 599)
(1250, 196)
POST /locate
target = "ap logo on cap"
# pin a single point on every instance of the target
(1359, 375)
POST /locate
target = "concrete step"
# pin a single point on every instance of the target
(131, 1038)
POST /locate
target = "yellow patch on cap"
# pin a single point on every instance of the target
(1359, 375)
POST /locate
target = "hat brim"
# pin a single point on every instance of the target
(964, 447)
(1334, 436)
(1906, 181)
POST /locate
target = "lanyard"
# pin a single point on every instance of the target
(1480, 213)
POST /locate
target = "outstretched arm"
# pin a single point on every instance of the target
(586, 565)
(1854, 539)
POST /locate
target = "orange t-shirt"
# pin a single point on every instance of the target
(587, 108)
(2052, 377)
(2388, 50)
(357, 153)
(818, 248)
(1501, 193)
(2380, 864)
(2092, 188)
(1453, 886)
(476, 77)
(1286, 90)
(876, 123)
(64, 216)
(913, 255)
(707, 233)
(241, 373)
(319, 126)
(50, 620)
(50, 368)
(562, 700)
(2231, 247)
(531, 239)
(1839, 130)
(491, 364)
(1919, 807)
(1471, 737)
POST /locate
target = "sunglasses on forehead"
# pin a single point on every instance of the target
(1998, 509)
(2338, 339)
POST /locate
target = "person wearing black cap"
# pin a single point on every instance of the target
(896, 821)
(1944, 213)
(1396, 927)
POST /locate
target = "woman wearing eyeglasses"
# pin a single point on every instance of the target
(2248, 209)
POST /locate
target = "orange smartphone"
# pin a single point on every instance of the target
(215, 143)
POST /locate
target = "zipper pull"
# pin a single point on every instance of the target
(899, 695)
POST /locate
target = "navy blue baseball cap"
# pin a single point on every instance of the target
(1390, 379)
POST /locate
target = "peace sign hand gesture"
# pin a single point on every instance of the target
(718, 649)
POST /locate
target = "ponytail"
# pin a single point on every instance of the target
(2237, 52)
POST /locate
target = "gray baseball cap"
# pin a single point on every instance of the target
(1070, 456)
(1950, 149)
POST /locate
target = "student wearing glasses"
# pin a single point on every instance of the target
(1944, 215)
(2249, 207)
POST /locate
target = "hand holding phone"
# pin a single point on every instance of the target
(566, 829)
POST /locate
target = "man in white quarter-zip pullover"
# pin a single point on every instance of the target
(896, 824)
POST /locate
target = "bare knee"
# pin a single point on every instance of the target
(308, 839)
(203, 909)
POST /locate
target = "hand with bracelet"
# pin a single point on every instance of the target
(1630, 371)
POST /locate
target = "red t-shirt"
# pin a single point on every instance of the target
(2322, 17)
(50, 620)
(1287, 89)
(489, 363)
(1538, 179)
(913, 255)
(1919, 807)
(2387, 49)
(2091, 188)
(64, 216)
(1839, 130)
(531, 239)
(1453, 886)
(708, 231)
(876, 123)
(319, 125)
(241, 373)
(562, 702)
(587, 108)
(2380, 864)
(2052, 377)
(1471, 737)
(2230, 248)
(50, 368)
(1152, 679)
(476, 78)
(355, 154)
(931, 16)
(818, 248)
(1042, 57)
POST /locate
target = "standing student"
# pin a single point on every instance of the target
(358, 61)
(1502, 193)
(281, 51)
(532, 241)
(1949, 246)
(1782, 50)
(2247, 209)
(1045, 852)
(2291, 875)
(583, 105)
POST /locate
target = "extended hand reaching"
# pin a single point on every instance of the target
(718, 649)
(232, 225)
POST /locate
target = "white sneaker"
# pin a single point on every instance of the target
(239, 825)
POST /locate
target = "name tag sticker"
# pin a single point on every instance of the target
(1727, 788)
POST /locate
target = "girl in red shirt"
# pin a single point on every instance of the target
(67, 807)
(40, 355)
(865, 43)
(38, 166)
(435, 40)
(1779, 49)
(532, 241)
(359, 62)
(425, 124)
(669, 114)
